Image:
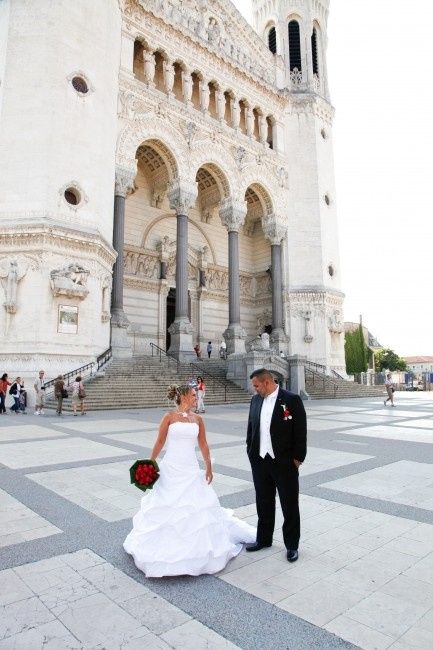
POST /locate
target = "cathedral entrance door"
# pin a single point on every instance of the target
(171, 308)
(171, 313)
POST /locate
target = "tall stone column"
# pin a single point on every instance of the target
(182, 195)
(124, 185)
(233, 216)
(275, 231)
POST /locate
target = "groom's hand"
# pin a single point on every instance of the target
(297, 463)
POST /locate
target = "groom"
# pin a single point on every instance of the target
(276, 447)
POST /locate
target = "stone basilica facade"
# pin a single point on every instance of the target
(166, 177)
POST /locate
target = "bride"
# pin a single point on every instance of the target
(181, 529)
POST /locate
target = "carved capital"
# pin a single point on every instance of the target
(182, 195)
(125, 181)
(233, 214)
(274, 229)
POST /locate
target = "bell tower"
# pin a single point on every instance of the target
(296, 31)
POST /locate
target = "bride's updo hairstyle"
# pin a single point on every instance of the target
(175, 393)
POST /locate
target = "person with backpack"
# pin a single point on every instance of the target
(60, 393)
(4, 383)
(78, 395)
(15, 391)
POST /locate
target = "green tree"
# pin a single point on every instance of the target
(356, 352)
(388, 360)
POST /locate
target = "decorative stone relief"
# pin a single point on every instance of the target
(125, 181)
(263, 284)
(274, 229)
(217, 279)
(11, 273)
(335, 323)
(232, 214)
(182, 195)
(70, 281)
(264, 319)
(106, 298)
(141, 264)
(306, 315)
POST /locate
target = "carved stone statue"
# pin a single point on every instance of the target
(11, 273)
(70, 281)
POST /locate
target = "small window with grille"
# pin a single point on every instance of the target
(295, 46)
(272, 40)
(315, 51)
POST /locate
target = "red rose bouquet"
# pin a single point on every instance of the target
(144, 474)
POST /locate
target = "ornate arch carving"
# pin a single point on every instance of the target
(208, 153)
(266, 195)
(157, 133)
(153, 223)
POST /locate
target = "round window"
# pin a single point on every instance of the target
(327, 199)
(72, 196)
(331, 270)
(324, 134)
(80, 85)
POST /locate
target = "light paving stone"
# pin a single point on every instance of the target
(262, 569)
(147, 438)
(386, 614)
(426, 621)
(96, 620)
(27, 432)
(52, 578)
(359, 634)
(83, 559)
(423, 423)
(50, 452)
(109, 426)
(13, 588)
(195, 635)
(155, 613)
(406, 588)
(113, 583)
(422, 570)
(18, 523)
(49, 636)
(320, 603)
(22, 615)
(395, 432)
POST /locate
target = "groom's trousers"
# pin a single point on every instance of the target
(272, 475)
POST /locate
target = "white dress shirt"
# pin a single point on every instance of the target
(265, 424)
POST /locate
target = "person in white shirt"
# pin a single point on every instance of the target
(276, 447)
(39, 386)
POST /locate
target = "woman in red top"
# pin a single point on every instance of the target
(4, 383)
(201, 390)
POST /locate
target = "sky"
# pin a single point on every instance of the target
(381, 84)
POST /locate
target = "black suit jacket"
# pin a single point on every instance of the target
(289, 437)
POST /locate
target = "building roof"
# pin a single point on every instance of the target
(418, 359)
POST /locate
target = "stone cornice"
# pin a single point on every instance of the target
(27, 236)
(217, 27)
(236, 36)
(312, 105)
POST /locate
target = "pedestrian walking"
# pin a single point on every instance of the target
(389, 385)
(209, 349)
(15, 391)
(78, 395)
(201, 391)
(197, 351)
(60, 393)
(23, 398)
(39, 387)
(4, 383)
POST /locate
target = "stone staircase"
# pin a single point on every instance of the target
(142, 382)
(320, 386)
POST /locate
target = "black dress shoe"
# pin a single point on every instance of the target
(292, 556)
(256, 546)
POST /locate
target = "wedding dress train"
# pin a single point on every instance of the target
(181, 529)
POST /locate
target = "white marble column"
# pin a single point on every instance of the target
(275, 230)
(233, 216)
(124, 185)
(182, 195)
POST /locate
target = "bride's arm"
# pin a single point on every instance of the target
(162, 436)
(204, 448)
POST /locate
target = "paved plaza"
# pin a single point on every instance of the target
(365, 572)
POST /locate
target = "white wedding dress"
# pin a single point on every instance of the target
(181, 529)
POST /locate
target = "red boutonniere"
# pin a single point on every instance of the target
(286, 413)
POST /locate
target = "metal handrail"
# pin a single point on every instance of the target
(318, 367)
(71, 373)
(160, 352)
(205, 373)
(336, 375)
(104, 358)
(323, 378)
